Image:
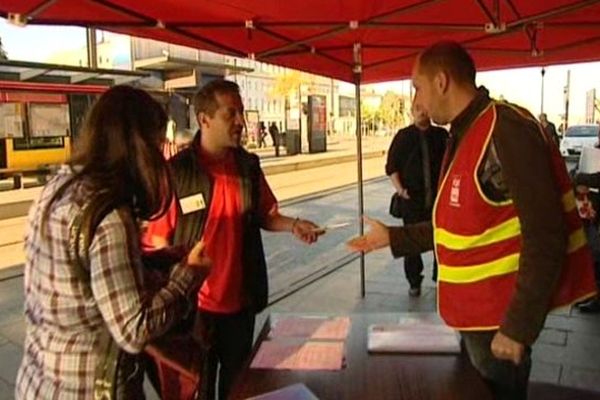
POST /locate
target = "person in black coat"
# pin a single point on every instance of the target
(413, 164)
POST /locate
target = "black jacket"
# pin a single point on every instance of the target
(404, 156)
(190, 180)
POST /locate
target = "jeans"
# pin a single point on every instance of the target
(506, 380)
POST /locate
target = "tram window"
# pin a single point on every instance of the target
(38, 143)
(48, 120)
(11, 121)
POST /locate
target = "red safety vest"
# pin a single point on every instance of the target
(478, 241)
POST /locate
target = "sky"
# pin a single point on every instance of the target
(521, 86)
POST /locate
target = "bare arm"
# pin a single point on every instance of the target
(397, 182)
(304, 230)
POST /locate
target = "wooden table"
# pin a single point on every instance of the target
(373, 376)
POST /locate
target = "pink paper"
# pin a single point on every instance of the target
(275, 354)
(312, 328)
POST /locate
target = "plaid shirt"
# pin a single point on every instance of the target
(65, 316)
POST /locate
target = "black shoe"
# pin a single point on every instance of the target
(590, 307)
(414, 291)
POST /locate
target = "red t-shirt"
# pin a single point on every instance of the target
(222, 289)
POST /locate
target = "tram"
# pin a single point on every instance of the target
(39, 122)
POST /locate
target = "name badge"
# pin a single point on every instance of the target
(192, 203)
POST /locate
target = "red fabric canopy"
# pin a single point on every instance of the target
(325, 36)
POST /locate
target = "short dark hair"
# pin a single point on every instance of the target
(206, 100)
(450, 57)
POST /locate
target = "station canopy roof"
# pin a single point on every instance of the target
(43, 73)
(330, 37)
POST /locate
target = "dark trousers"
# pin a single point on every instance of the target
(228, 339)
(413, 264)
(506, 380)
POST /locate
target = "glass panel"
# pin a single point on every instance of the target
(11, 120)
(38, 143)
(582, 131)
(48, 120)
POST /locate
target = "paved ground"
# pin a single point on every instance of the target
(286, 176)
(567, 353)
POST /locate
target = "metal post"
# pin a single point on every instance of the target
(361, 207)
(92, 50)
(567, 89)
(331, 110)
(300, 117)
(235, 69)
(542, 95)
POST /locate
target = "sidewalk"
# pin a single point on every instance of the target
(14, 204)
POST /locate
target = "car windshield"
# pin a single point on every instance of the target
(582, 131)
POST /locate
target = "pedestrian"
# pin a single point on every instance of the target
(274, 132)
(588, 206)
(262, 134)
(549, 128)
(87, 312)
(223, 197)
(413, 165)
(505, 228)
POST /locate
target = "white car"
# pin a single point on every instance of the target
(576, 137)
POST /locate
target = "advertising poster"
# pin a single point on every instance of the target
(317, 124)
(252, 120)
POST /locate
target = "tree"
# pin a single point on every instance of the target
(286, 85)
(369, 114)
(392, 111)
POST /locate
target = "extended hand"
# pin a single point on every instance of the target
(196, 258)
(404, 194)
(377, 238)
(306, 231)
(506, 348)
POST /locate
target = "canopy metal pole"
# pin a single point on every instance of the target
(361, 209)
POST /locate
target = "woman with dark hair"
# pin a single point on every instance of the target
(87, 310)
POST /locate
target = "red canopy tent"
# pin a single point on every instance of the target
(326, 37)
(352, 40)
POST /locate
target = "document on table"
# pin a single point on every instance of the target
(413, 336)
(322, 328)
(291, 354)
(298, 391)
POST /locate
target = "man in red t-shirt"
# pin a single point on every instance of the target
(224, 200)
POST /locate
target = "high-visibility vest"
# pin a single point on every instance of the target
(478, 241)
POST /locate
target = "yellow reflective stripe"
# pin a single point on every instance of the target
(463, 274)
(568, 201)
(577, 240)
(505, 230)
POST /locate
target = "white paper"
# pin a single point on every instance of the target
(413, 336)
(331, 227)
